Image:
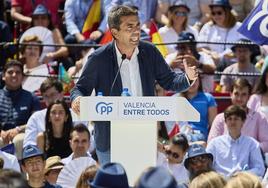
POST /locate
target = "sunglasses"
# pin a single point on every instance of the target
(214, 13)
(201, 159)
(173, 154)
(181, 13)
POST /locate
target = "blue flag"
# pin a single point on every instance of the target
(10, 148)
(255, 26)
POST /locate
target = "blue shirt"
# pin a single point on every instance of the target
(16, 107)
(232, 155)
(201, 102)
(76, 13)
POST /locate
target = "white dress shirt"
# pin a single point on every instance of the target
(179, 172)
(130, 72)
(232, 155)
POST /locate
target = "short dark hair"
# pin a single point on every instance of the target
(80, 128)
(235, 110)
(181, 141)
(12, 63)
(49, 83)
(242, 83)
(117, 12)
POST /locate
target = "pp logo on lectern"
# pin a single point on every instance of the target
(104, 108)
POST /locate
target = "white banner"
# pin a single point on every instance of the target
(137, 108)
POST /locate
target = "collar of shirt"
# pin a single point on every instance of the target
(12, 93)
(232, 141)
(119, 55)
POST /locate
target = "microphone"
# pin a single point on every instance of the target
(124, 56)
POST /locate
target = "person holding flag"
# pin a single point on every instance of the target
(85, 21)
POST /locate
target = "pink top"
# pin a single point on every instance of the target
(256, 126)
(254, 102)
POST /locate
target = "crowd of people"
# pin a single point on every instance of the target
(106, 46)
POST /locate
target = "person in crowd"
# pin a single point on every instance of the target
(21, 10)
(76, 12)
(245, 180)
(259, 100)
(222, 28)
(102, 65)
(197, 17)
(6, 51)
(235, 152)
(156, 177)
(189, 51)
(198, 161)
(79, 143)
(206, 105)
(52, 169)
(42, 17)
(16, 107)
(10, 161)
(172, 157)
(87, 176)
(33, 164)
(208, 180)
(110, 175)
(242, 53)
(55, 139)
(51, 90)
(177, 22)
(255, 124)
(12, 178)
(31, 53)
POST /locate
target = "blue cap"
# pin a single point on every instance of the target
(110, 175)
(179, 3)
(194, 151)
(186, 36)
(157, 177)
(246, 43)
(40, 10)
(31, 151)
(222, 3)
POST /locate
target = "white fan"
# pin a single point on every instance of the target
(45, 35)
(71, 172)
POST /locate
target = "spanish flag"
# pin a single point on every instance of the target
(93, 19)
(156, 38)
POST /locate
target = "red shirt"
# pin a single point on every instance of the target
(28, 6)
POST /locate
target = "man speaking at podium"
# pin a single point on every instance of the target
(129, 63)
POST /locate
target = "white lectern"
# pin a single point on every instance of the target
(134, 126)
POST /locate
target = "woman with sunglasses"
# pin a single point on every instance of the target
(177, 22)
(222, 28)
(172, 157)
